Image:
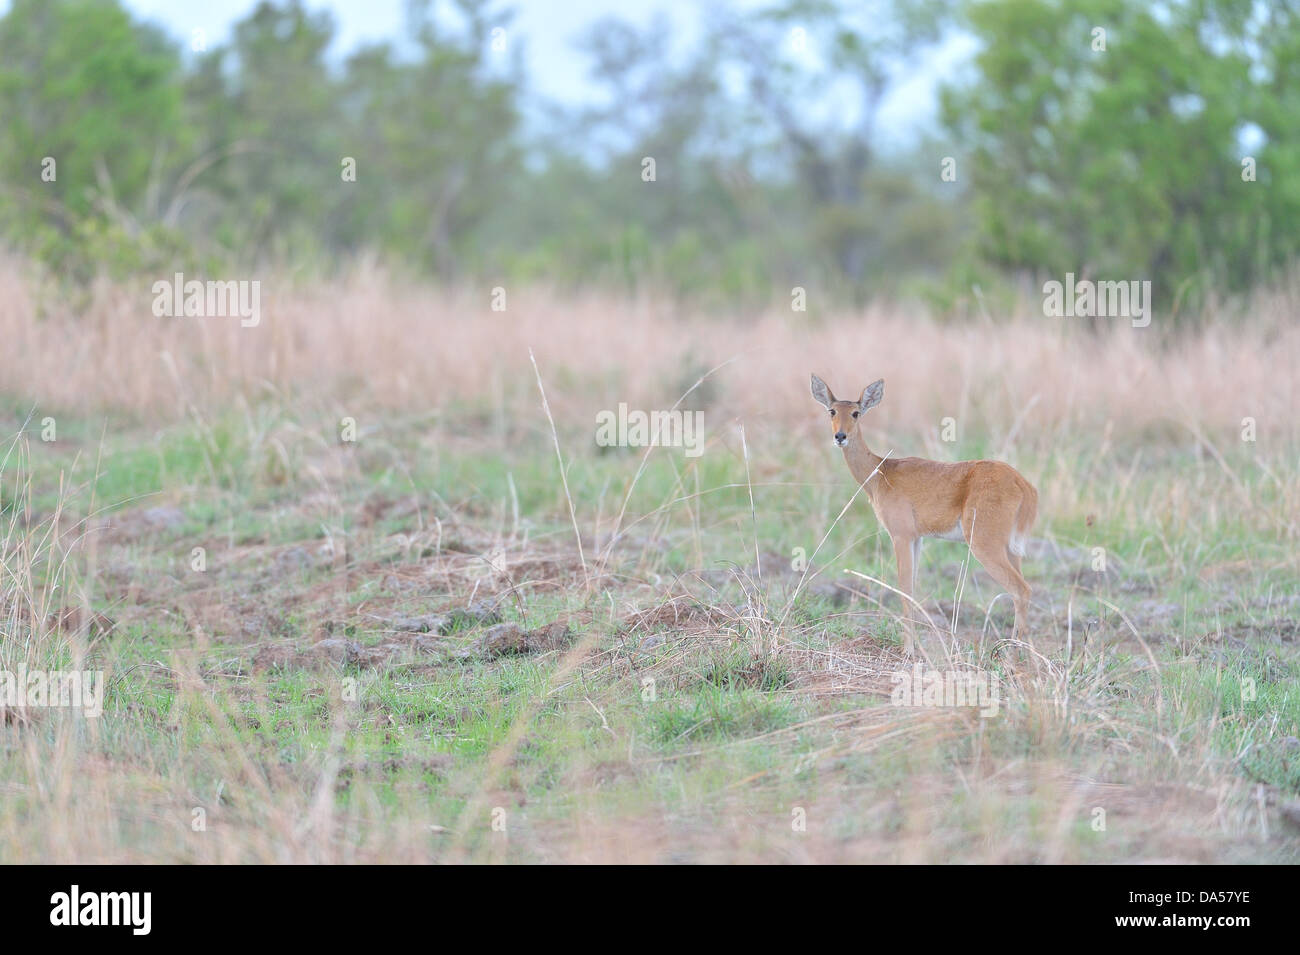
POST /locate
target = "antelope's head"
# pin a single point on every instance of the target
(845, 414)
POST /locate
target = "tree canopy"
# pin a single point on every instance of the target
(1109, 138)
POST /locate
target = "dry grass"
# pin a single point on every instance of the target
(379, 344)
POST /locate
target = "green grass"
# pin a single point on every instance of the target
(762, 707)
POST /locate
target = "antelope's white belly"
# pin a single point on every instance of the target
(953, 533)
(1016, 544)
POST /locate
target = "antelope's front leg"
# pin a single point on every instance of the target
(903, 554)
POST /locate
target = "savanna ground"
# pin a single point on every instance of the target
(390, 645)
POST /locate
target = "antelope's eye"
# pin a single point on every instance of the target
(832, 412)
(856, 413)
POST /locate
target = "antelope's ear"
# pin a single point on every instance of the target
(821, 392)
(872, 394)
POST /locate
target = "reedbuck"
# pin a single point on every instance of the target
(987, 504)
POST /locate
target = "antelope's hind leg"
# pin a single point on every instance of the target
(991, 547)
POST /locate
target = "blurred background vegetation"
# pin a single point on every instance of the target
(1173, 154)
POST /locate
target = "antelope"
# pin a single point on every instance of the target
(987, 504)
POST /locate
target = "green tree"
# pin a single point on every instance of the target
(99, 94)
(436, 136)
(1119, 155)
(273, 136)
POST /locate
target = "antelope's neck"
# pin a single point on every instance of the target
(862, 462)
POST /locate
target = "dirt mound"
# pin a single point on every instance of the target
(681, 614)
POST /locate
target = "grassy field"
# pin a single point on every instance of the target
(346, 613)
